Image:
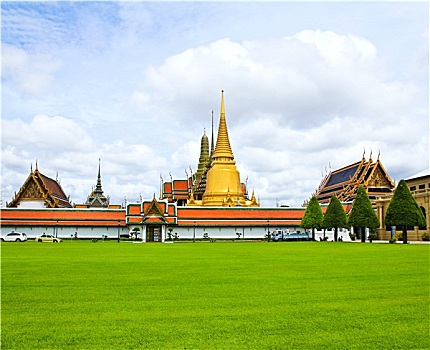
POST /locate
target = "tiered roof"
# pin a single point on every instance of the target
(345, 181)
(199, 184)
(151, 212)
(176, 191)
(97, 199)
(39, 187)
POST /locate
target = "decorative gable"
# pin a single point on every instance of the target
(32, 191)
(153, 212)
(379, 177)
(41, 191)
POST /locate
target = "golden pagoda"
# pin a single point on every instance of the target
(199, 183)
(223, 187)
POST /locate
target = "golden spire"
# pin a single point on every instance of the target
(212, 140)
(223, 179)
(222, 148)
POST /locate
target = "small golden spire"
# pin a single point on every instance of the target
(223, 148)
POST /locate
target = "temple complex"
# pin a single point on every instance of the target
(40, 191)
(345, 181)
(217, 180)
(211, 204)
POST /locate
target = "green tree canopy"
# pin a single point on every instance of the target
(362, 212)
(335, 216)
(313, 217)
(403, 209)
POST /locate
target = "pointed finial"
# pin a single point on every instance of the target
(212, 140)
(31, 167)
(37, 169)
(364, 151)
(222, 102)
(223, 148)
(379, 153)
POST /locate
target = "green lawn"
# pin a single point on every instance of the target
(310, 295)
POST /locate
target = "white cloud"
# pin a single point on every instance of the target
(46, 134)
(304, 80)
(31, 73)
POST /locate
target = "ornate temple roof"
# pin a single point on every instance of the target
(97, 199)
(40, 188)
(345, 181)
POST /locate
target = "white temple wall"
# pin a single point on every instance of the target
(187, 232)
(183, 232)
(31, 204)
(65, 232)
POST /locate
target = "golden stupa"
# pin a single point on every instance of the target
(223, 187)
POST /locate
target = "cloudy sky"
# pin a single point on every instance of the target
(307, 85)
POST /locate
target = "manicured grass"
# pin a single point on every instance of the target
(83, 295)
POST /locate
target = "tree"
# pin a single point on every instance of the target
(313, 217)
(335, 217)
(404, 210)
(362, 214)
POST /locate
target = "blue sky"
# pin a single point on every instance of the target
(134, 83)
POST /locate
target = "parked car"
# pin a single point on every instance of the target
(47, 238)
(14, 237)
(279, 235)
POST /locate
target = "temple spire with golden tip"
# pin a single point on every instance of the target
(223, 179)
(222, 148)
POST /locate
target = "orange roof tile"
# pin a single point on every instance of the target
(180, 185)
